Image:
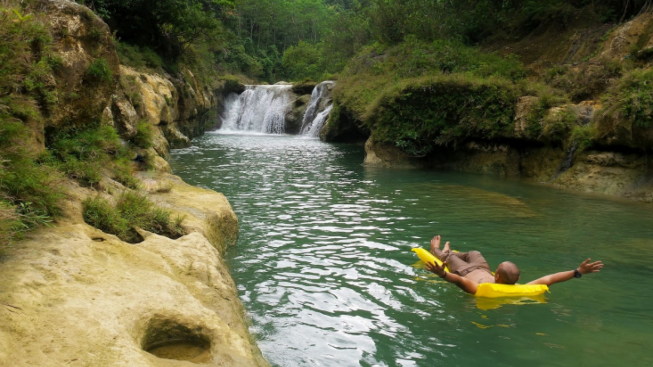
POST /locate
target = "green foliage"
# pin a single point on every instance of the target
(232, 84)
(139, 57)
(131, 211)
(144, 137)
(83, 153)
(378, 68)
(29, 191)
(168, 26)
(122, 172)
(586, 81)
(102, 215)
(95, 34)
(140, 212)
(558, 123)
(631, 99)
(535, 123)
(584, 136)
(31, 185)
(303, 61)
(99, 70)
(132, 91)
(406, 114)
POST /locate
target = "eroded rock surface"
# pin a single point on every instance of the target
(75, 296)
(80, 40)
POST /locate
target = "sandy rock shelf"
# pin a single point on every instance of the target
(75, 296)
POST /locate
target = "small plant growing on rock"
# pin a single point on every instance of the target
(99, 70)
(95, 34)
(144, 137)
(99, 213)
(141, 212)
(83, 153)
(583, 136)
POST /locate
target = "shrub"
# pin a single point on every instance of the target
(22, 178)
(417, 115)
(583, 136)
(632, 98)
(378, 68)
(139, 57)
(144, 137)
(232, 84)
(83, 152)
(535, 119)
(586, 81)
(29, 190)
(99, 70)
(558, 123)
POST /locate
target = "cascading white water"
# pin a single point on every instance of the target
(260, 108)
(313, 119)
(318, 122)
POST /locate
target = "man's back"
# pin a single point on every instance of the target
(480, 276)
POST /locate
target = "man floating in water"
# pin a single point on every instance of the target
(469, 269)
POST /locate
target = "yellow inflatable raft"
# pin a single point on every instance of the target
(492, 290)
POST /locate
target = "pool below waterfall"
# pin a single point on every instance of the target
(324, 267)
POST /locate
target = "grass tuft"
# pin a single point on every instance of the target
(132, 210)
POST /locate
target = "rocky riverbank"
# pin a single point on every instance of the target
(71, 294)
(577, 118)
(74, 295)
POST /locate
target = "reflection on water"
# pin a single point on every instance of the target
(324, 267)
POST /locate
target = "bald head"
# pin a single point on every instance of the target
(507, 273)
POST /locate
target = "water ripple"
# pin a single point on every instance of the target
(324, 268)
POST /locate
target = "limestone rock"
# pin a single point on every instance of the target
(612, 159)
(295, 117)
(107, 117)
(175, 138)
(158, 96)
(522, 110)
(341, 127)
(304, 88)
(385, 155)
(619, 44)
(160, 143)
(83, 297)
(479, 157)
(80, 38)
(125, 117)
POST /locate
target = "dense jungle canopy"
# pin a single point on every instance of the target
(273, 40)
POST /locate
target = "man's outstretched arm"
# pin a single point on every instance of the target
(585, 268)
(463, 283)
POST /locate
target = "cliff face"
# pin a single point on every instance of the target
(71, 294)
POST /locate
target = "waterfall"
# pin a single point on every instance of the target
(260, 108)
(318, 122)
(313, 119)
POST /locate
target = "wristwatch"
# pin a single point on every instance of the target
(577, 273)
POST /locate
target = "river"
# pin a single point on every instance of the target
(324, 267)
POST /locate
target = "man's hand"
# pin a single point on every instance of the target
(436, 269)
(586, 267)
(463, 283)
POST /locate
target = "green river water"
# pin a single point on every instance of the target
(324, 267)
